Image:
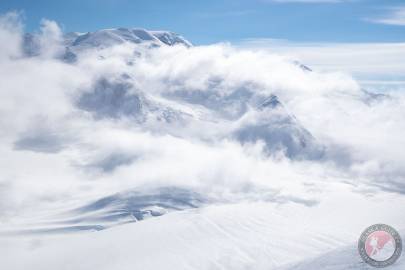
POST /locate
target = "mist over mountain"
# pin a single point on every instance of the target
(248, 115)
(134, 149)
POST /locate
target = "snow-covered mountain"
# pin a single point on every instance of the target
(248, 117)
(109, 37)
(75, 42)
(146, 159)
(240, 114)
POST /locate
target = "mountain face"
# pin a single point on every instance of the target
(271, 123)
(241, 114)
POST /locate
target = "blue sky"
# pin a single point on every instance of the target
(209, 21)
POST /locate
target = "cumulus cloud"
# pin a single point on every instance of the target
(130, 115)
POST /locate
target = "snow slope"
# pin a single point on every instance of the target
(244, 235)
(341, 259)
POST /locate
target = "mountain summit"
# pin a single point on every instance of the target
(114, 36)
(75, 42)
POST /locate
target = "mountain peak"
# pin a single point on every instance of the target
(104, 38)
(113, 36)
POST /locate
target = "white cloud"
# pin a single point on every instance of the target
(10, 32)
(395, 16)
(55, 156)
(50, 39)
(40, 95)
(373, 63)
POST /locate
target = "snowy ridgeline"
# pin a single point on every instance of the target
(75, 42)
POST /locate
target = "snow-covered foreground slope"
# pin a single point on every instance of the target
(245, 235)
(120, 208)
(345, 258)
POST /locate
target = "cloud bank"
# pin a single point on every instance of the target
(372, 64)
(130, 116)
